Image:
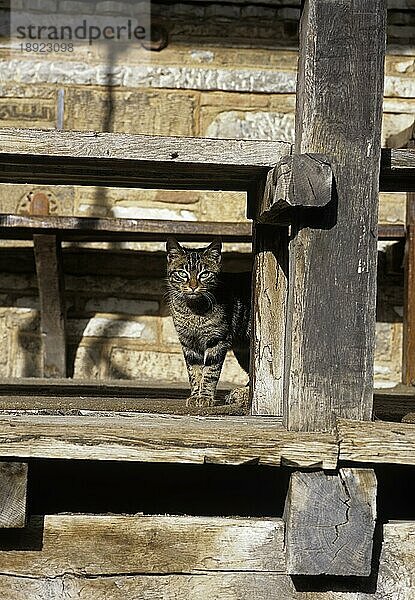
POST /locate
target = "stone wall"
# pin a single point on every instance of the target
(228, 70)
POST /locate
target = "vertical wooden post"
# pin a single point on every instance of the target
(408, 362)
(52, 304)
(269, 291)
(332, 287)
(13, 490)
(331, 303)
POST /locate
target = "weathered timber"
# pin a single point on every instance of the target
(48, 258)
(376, 442)
(332, 285)
(143, 544)
(94, 229)
(13, 488)
(408, 355)
(269, 295)
(397, 170)
(299, 181)
(20, 227)
(123, 160)
(101, 580)
(330, 521)
(165, 438)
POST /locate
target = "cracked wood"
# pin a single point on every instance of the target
(330, 521)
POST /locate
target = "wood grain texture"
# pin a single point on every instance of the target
(332, 286)
(116, 159)
(408, 342)
(165, 438)
(51, 287)
(395, 578)
(269, 297)
(376, 442)
(13, 490)
(330, 521)
(115, 544)
(299, 181)
(19, 227)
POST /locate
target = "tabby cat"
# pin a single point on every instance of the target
(211, 313)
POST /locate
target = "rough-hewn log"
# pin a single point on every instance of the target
(13, 488)
(165, 438)
(269, 297)
(332, 285)
(330, 520)
(117, 159)
(376, 442)
(109, 545)
(299, 181)
(48, 257)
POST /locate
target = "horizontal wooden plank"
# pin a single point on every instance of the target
(19, 227)
(393, 404)
(165, 438)
(145, 230)
(93, 575)
(397, 170)
(376, 442)
(114, 545)
(123, 160)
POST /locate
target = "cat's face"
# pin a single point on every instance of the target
(193, 273)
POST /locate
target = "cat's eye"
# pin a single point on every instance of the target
(205, 275)
(181, 274)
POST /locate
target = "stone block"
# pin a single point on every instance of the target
(76, 7)
(393, 124)
(113, 305)
(43, 6)
(392, 207)
(222, 12)
(252, 125)
(115, 286)
(15, 198)
(144, 330)
(113, 7)
(141, 365)
(138, 111)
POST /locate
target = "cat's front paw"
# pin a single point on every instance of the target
(239, 397)
(200, 401)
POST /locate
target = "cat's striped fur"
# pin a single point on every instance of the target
(211, 313)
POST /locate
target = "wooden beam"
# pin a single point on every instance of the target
(165, 438)
(124, 160)
(408, 358)
(48, 258)
(330, 521)
(376, 442)
(94, 229)
(20, 227)
(298, 182)
(113, 544)
(332, 286)
(13, 490)
(269, 299)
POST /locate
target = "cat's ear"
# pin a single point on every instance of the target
(214, 249)
(173, 249)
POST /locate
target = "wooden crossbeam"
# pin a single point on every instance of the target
(123, 160)
(165, 438)
(21, 227)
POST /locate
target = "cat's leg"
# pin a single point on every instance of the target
(194, 364)
(213, 362)
(240, 396)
